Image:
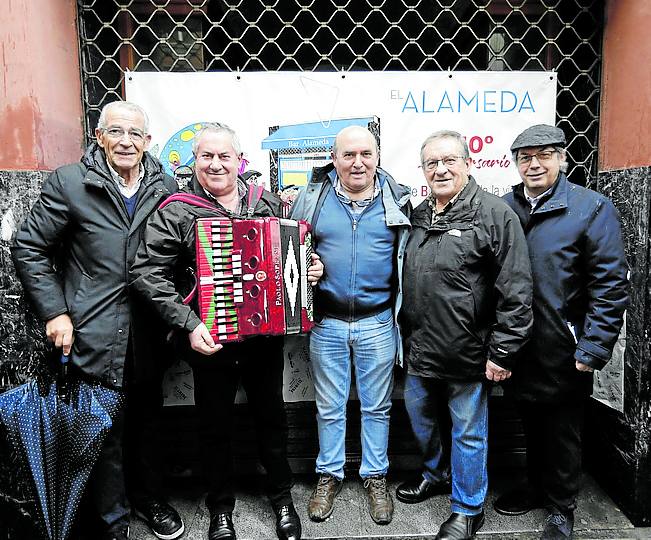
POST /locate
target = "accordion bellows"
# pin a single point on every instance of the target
(252, 277)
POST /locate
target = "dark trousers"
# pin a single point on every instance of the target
(553, 439)
(105, 493)
(142, 455)
(129, 467)
(258, 364)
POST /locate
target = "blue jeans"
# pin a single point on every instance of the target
(370, 346)
(467, 403)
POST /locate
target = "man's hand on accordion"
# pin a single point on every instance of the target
(315, 271)
(201, 340)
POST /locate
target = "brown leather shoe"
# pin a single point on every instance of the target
(322, 500)
(380, 503)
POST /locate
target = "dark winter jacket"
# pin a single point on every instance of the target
(580, 289)
(467, 287)
(73, 254)
(160, 272)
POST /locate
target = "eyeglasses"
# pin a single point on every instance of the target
(117, 133)
(448, 161)
(542, 156)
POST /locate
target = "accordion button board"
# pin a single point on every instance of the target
(252, 277)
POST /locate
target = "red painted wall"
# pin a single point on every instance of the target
(625, 124)
(40, 93)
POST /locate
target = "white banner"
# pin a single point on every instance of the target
(287, 121)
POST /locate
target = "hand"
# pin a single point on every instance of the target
(60, 331)
(496, 373)
(315, 271)
(202, 342)
(583, 367)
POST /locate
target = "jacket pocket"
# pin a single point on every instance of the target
(79, 307)
(454, 246)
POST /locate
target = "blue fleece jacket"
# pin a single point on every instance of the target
(357, 251)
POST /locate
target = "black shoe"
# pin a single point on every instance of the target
(558, 526)
(460, 527)
(221, 527)
(161, 518)
(419, 490)
(518, 501)
(118, 531)
(288, 524)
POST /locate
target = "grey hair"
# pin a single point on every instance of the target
(446, 134)
(561, 152)
(356, 128)
(217, 127)
(125, 105)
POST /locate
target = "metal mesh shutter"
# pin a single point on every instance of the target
(373, 35)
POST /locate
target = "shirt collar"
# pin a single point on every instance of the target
(241, 192)
(122, 182)
(533, 201)
(431, 200)
(362, 203)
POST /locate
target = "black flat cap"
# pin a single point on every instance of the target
(539, 135)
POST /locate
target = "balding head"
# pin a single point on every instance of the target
(354, 129)
(355, 157)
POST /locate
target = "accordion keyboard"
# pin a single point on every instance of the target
(252, 277)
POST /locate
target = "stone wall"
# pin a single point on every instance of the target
(22, 346)
(617, 444)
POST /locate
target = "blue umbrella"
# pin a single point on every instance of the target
(57, 430)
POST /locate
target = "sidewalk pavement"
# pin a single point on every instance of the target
(597, 516)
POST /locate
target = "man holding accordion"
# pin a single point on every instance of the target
(161, 266)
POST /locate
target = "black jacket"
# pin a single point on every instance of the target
(580, 289)
(72, 255)
(160, 273)
(467, 285)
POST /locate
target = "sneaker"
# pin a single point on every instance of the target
(558, 525)
(322, 500)
(119, 531)
(380, 503)
(161, 518)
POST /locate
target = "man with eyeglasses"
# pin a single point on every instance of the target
(72, 255)
(579, 296)
(467, 282)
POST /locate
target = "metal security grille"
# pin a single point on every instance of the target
(343, 35)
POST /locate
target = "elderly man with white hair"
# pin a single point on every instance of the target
(72, 255)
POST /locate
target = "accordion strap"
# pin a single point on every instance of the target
(193, 200)
(252, 198)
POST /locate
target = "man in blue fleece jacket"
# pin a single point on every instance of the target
(359, 216)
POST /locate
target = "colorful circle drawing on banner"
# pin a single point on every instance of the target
(177, 151)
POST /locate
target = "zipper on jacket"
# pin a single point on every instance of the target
(353, 272)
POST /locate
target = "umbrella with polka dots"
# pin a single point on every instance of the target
(57, 430)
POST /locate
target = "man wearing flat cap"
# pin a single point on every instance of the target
(579, 295)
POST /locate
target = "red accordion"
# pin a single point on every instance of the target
(252, 277)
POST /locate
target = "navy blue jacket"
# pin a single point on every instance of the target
(580, 289)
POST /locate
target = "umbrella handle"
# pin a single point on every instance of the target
(63, 390)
